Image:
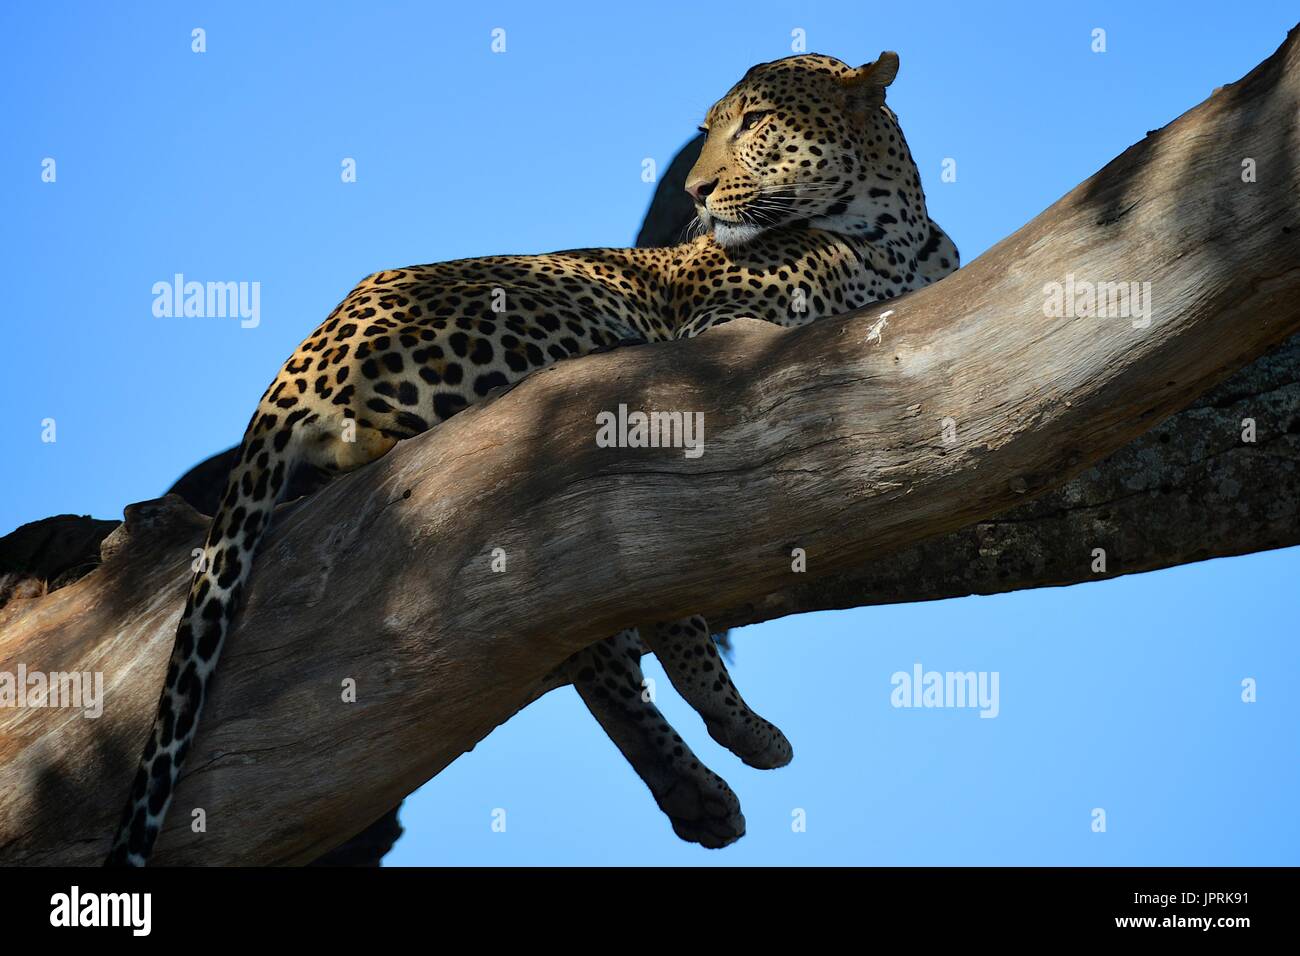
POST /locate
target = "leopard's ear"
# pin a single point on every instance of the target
(866, 85)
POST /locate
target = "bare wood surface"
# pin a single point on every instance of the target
(1188, 490)
(826, 438)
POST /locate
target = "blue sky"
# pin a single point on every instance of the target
(225, 165)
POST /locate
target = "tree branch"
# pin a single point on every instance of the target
(1189, 490)
(826, 438)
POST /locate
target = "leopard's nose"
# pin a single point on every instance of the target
(699, 189)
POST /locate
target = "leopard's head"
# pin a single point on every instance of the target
(806, 138)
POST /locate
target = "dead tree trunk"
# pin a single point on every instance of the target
(852, 439)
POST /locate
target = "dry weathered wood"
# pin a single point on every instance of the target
(1188, 490)
(826, 438)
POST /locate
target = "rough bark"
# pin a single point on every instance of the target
(1188, 490)
(825, 438)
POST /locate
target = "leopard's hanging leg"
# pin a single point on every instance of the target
(690, 657)
(699, 804)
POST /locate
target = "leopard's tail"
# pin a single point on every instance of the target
(256, 485)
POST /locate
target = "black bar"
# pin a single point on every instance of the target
(208, 906)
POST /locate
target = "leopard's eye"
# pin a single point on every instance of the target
(752, 119)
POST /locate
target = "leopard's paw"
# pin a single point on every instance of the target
(703, 809)
(758, 742)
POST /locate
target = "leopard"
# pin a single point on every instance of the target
(808, 204)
